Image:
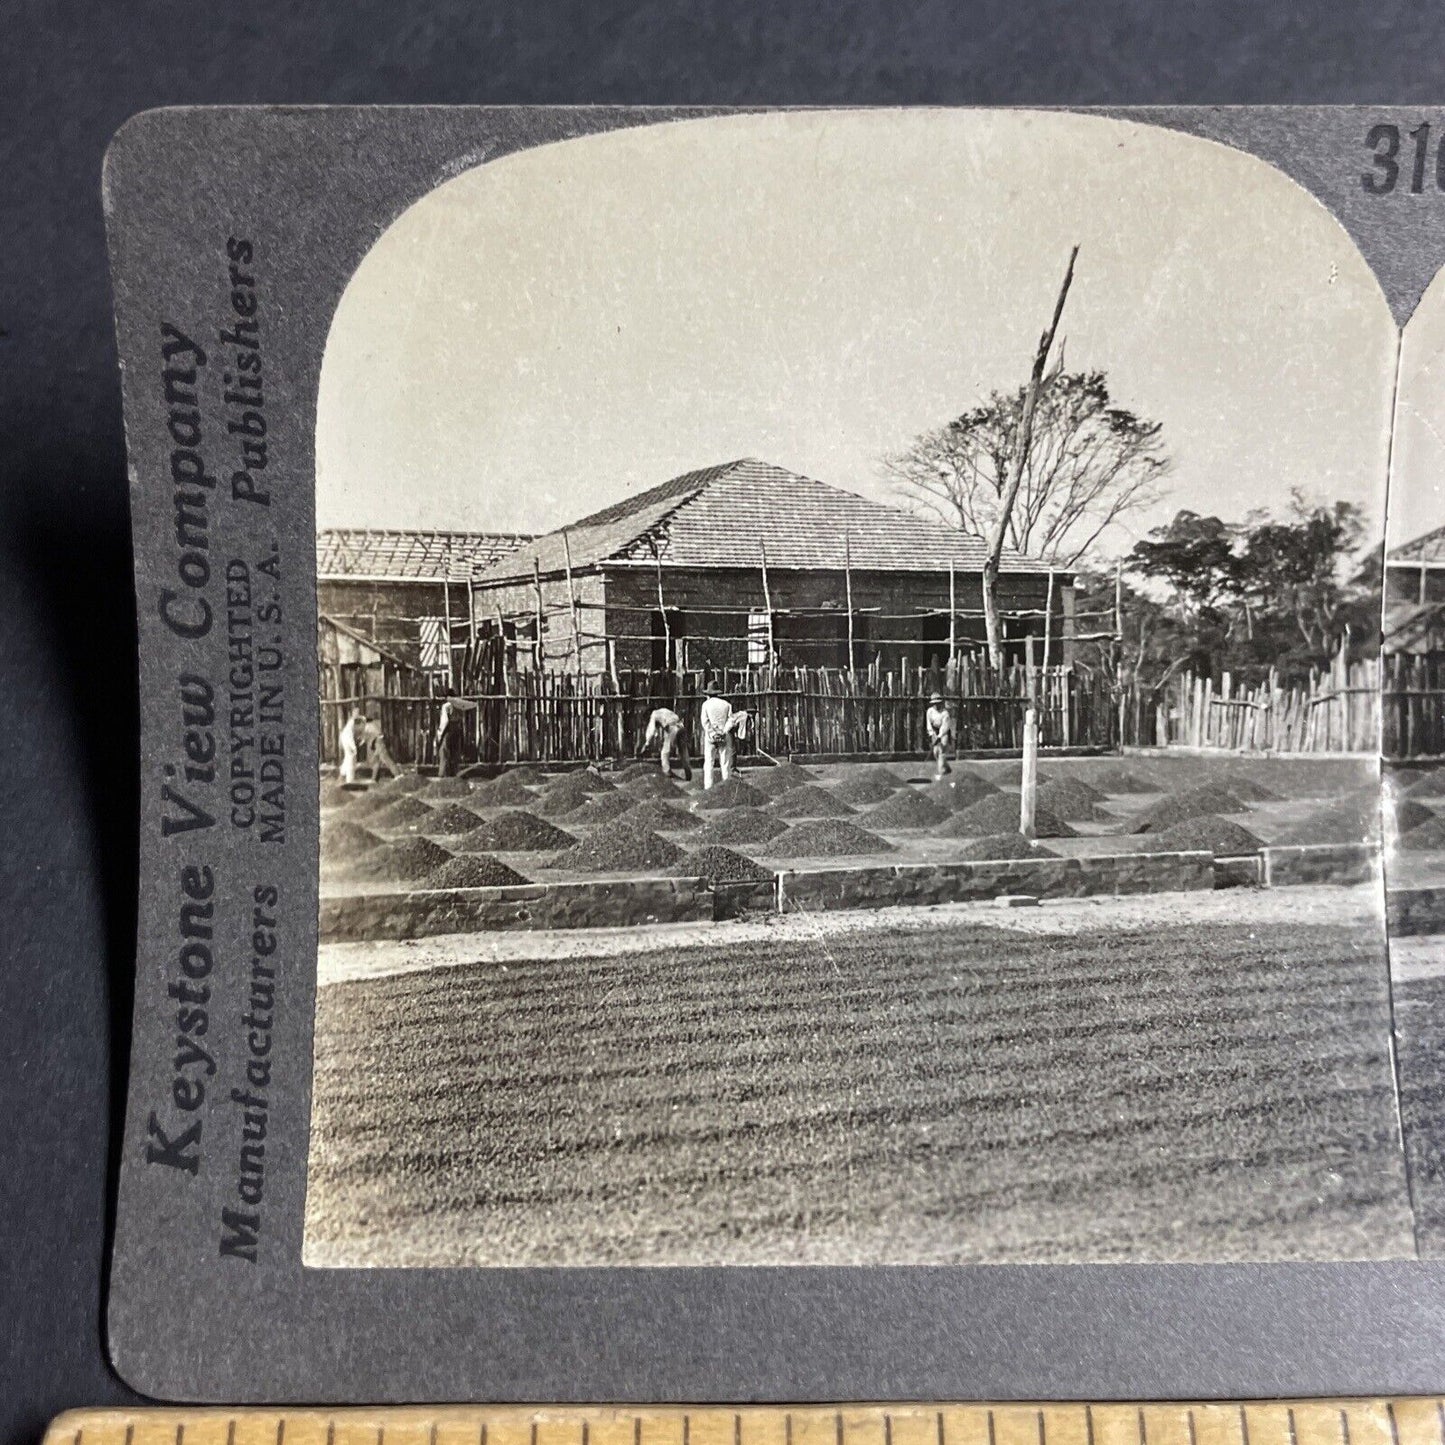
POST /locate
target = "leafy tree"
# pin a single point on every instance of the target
(1089, 462)
(1281, 593)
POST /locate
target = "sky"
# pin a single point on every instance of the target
(545, 334)
(1417, 470)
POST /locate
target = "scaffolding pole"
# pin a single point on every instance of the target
(537, 589)
(767, 600)
(572, 599)
(952, 616)
(667, 658)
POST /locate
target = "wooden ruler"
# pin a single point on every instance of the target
(1299, 1422)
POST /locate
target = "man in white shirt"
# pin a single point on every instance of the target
(350, 740)
(670, 728)
(719, 723)
(939, 722)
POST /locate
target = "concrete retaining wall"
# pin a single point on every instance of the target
(421, 914)
(1410, 912)
(962, 755)
(925, 884)
(1319, 863)
(1244, 871)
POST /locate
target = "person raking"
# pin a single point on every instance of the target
(350, 740)
(939, 723)
(449, 732)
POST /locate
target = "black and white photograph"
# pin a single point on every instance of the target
(1413, 750)
(850, 708)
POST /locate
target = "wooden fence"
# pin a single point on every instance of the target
(1335, 711)
(1413, 699)
(529, 716)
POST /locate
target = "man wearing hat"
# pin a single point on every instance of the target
(719, 727)
(939, 722)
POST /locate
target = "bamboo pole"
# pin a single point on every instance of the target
(572, 600)
(447, 608)
(667, 657)
(767, 600)
(952, 616)
(848, 586)
(537, 588)
(1020, 459)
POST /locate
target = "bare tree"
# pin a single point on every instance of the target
(1089, 463)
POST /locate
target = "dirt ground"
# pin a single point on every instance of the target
(1304, 786)
(1102, 1080)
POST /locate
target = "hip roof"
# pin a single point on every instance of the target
(741, 512)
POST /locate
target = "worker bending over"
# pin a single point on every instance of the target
(939, 722)
(666, 725)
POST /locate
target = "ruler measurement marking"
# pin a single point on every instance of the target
(1407, 1424)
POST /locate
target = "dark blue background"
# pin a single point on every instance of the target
(70, 73)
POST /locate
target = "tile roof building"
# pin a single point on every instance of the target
(732, 564)
(1415, 594)
(409, 593)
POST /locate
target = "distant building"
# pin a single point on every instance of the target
(407, 592)
(1415, 595)
(689, 573)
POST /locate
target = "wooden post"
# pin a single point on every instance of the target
(572, 600)
(667, 657)
(537, 588)
(1029, 781)
(952, 616)
(767, 600)
(848, 587)
(1023, 439)
(447, 608)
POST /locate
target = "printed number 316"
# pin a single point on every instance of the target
(1384, 141)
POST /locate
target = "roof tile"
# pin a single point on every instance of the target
(728, 515)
